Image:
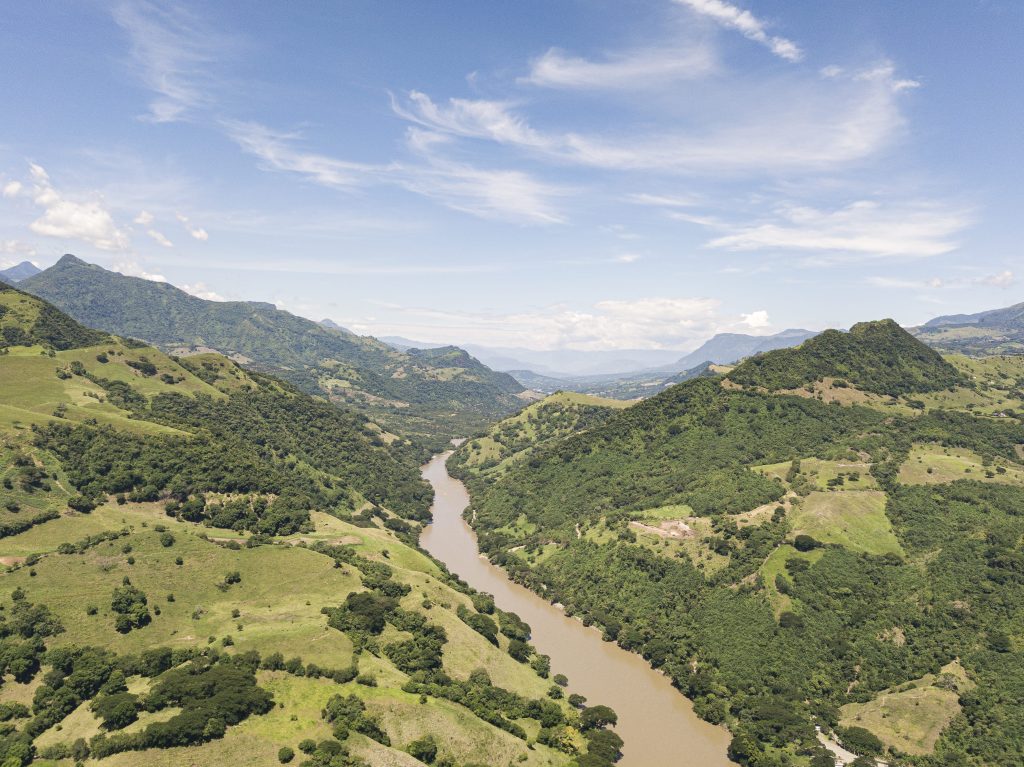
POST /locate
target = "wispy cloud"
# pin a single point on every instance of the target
(173, 51)
(744, 22)
(864, 229)
(1003, 279)
(64, 218)
(487, 193)
(635, 70)
(195, 232)
(804, 127)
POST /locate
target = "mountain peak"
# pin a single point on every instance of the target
(879, 357)
(19, 272)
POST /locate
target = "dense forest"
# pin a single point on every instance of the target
(815, 576)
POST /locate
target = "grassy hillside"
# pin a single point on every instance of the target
(512, 439)
(205, 566)
(424, 392)
(782, 551)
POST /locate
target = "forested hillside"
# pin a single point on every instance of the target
(419, 392)
(826, 537)
(206, 566)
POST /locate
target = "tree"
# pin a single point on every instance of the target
(285, 754)
(424, 749)
(597, 716)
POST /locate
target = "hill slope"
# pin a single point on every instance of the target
(877, 357)
(207, 567)
(997, 331)
(785, 559)
(420, 391)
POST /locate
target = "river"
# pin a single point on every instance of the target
(656, 721)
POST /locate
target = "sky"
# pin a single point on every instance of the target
(589, 174)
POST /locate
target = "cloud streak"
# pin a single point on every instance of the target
(864, 229)
(634, 70)
(731, 17)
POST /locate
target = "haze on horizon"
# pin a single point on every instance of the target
(592, 175)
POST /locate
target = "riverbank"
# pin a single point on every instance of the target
(656, 721)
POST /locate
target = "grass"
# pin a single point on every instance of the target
(856, 520)
(934, 464)
(911, 717)
(279, 598)
(820, 472)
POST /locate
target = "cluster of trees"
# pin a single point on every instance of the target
(771, 677)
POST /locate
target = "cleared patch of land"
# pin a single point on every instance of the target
(856, 520)
(935, 464)
(912, 716)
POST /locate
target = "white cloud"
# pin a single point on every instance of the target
(145, 218)
(15, 248)
(756, 320)
(88, 221)
(473, 118)
(130, 268)
(200, 290)
(663, 200)
(196, 232)
(865, 228)
(628, 258)
(1003, 279)
(803, 126)
(160, 238)
(11, 189)
(645, 323)
(635, 70)
(277, 152)
(512, 195)
(172, 50)
(744, 22)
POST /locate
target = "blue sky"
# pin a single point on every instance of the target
(587, 174)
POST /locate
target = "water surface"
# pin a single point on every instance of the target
(656, 720)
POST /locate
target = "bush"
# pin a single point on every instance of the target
(424, 749)
(285, 754)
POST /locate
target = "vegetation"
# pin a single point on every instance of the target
(418, 391)
(175, 546)
(808, 584)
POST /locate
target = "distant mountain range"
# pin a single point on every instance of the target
(19, 272)
(427, 393)
(996, 331)
(556, 363)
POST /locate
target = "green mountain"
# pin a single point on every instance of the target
(429, 393)
(206, 566)
(877, 357)
(997, 331)
(795, 556)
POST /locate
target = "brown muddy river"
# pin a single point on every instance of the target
(656, 721)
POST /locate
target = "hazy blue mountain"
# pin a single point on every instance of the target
(726, 348)
(19, 272)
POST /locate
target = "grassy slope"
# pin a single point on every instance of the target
(279, 598)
